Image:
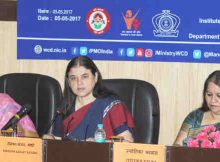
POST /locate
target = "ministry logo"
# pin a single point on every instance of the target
(166, 24)
(98, 21)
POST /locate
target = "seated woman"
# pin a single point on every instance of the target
(87, 103)
(208, 114)
(8, 109)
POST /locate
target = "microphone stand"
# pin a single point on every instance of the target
(14, 129)
(51, 123)
(57, 113)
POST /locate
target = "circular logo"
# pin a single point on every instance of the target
(166, 23)
(38, 49)
(98, 21)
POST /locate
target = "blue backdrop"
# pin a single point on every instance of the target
(153, 30)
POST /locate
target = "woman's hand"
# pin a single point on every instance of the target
(90, 139)
(127, 136)
(48, 136)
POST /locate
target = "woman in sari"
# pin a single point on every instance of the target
(8, 109)
(87, 103)
(207, 115)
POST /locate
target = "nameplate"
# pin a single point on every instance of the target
(20, 149)
(133, 152)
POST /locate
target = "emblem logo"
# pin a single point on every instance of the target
(166, 24)
(38, 49)
(98, 21)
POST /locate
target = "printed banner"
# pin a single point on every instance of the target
(172, 31)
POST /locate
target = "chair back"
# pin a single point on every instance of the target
(42, 92)
(142, 100)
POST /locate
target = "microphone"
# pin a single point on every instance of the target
(57, 113)
(15, 119)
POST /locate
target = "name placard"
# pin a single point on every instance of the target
(133, 152)
(20, 149)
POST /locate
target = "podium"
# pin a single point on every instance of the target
(70, 151)
(14, 149)
(184, 154)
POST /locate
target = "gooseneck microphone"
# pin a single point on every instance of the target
(57, 113)
(15, 119)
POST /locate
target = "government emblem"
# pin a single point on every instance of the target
(166, 24)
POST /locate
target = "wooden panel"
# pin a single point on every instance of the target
(184, 154)
(69, 151)
(8, 10)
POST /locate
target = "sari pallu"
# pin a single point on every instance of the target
(192, 124)
(82, 124)
(8, 109)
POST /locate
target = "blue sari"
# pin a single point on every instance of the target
(100, 111)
